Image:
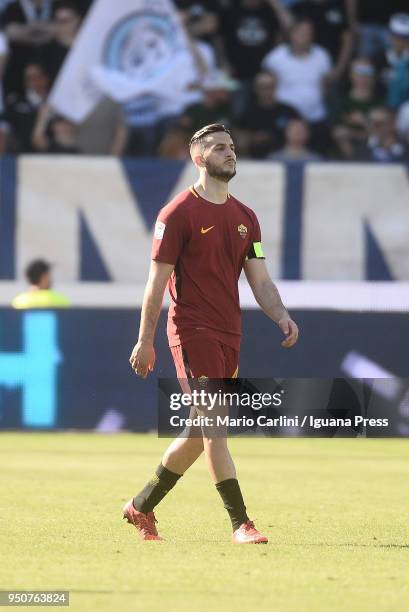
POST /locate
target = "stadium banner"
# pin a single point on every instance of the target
(140, 49)
(94, 220)
(69, 369)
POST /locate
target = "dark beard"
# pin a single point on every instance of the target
(218, 173)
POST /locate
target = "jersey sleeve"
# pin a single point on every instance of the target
(169, 236)
(256, 250)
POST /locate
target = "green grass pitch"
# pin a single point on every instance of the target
(336, 512)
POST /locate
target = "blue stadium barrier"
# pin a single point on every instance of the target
(67, 369)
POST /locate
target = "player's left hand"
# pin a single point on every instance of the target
(290, 330)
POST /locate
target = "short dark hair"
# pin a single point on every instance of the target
(201, 134)
(37, 64)
(65, 5)
(303, 18)
(36, 269)
(383, 109)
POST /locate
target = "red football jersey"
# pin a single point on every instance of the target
(208, 244)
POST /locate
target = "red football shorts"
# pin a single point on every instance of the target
(205, 357)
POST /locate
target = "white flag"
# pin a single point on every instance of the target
(124, 49)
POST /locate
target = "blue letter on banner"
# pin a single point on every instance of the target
(35, 369)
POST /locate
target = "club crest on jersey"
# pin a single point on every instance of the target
(242, 229)
(203, 380)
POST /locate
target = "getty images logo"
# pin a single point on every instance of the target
(35, 369)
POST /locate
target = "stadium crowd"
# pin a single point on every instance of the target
(294, 79)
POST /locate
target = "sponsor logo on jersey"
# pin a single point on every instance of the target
(159, 230)
(204, 231)
(242, 229)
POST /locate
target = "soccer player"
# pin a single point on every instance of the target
(203, 239)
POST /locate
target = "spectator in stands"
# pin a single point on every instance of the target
(22, 110)
(149, 117)
(53, 133)
(332, 29)
(297, 136)
(383, 144)
(351, 129)
(4, 125)
(362, 96)
(147, 120)
(175, 144)
(201, 17)
(104, 131)
(4, 136)
(4, 52)
(215, 106)
(66, 21)
(249, 29)
(370, 18)
(394, 63)
(301, 68)
(27, 24)
(264, 120)
(205, 61)
(39, 294)
(402, 123)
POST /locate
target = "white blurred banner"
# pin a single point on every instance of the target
(125, 49)
(93, 217)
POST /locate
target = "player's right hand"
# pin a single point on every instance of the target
(142, 358)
